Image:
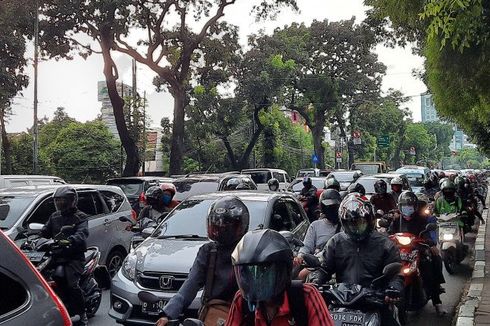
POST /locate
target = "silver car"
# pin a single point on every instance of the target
(162, 262)
(104, 204)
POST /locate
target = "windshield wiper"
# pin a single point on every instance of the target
(181, 236)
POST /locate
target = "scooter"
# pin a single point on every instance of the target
(452, 239)
(353, 304)
(42, 254)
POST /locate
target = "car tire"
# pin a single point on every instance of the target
(114, 261)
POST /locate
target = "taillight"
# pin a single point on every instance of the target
(142, 199)
(61, 307)
(134, 215)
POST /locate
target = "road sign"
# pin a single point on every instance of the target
(356, 137)
(315, 159)
(383, 141)
(413, 151)
(338, 159)
(338, 155)
(356, 134)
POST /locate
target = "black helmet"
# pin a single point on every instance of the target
(154, 195)
(232, 184)
(356, 187)
(307, 181)
(263, 262)
(357, 217)
(381, 187)
(330, 197)
(332, 183)
(408, 204)
(228, 220)
(65, 199)
(459, 182)
(448, 189)
(273, 184)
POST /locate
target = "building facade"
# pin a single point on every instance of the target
(428, 110)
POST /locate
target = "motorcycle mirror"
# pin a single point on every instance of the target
(35, 226)
(392, 269)
(148, 297)
(384, 223)
(147, 232)
(102, 276)
(192, 322)
(431, 227)
(311, 260)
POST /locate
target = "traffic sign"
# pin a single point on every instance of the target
(383, 141)
(356, 134)
(315, 159)
(413, 151)
(338, 159)
(338, 155)
(356, 137)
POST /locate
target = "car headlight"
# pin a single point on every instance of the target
(404, 241)
(447, 236)
(128, 268)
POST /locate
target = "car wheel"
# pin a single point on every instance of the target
(114, 261)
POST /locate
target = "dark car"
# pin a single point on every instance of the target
(205, 183)
(345, 178)
(26, 297)
(169, 252)
(134, 188)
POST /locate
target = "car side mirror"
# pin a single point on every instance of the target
(147, 232)
(35, 227)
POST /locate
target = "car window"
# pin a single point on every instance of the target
(260, 177)
(281, 219)
(279, 176)
(298, 184)
(14, 294)
(187, 188)
(368, 184)
(130, 187)
(295, 212)
(16, 183)
(99, 205)
(190, 217)
(112, 200)
(343, 177)
(12, 208)
(42, 212)
(36, 182)
(86, 203)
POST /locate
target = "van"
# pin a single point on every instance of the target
(11, 181)
(262, 175)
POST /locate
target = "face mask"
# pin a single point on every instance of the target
(331, 213)
(166, 199)
(407, 211)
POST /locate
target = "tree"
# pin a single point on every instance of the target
(419, 138)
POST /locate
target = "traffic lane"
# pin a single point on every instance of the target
(102, 318)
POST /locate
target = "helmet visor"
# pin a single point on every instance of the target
(259, 283)
(356, 228)
(63, 204)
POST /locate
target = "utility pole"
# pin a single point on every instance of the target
(35, 130)
(144, 132)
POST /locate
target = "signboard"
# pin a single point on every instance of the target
(383, 141)
(315, 159)
(413, 151)
(338, 155)
(356, 135)
(102, 93)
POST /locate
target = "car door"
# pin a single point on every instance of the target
(299, 217)
(117, 206)
(281, 178)
(41, 212)
(281, 219)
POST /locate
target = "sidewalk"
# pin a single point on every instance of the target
(476, 307)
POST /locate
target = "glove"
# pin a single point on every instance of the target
(64, 243)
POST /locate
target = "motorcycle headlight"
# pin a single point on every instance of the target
(404, 241)
(128, 268)
(447, 236)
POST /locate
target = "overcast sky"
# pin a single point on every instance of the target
(73, 84)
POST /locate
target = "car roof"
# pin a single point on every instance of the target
(369, 177)
(253, 195)
(262, 169)
(389, 175)
(45, 189)
(28, 176)
(138, 178)
(346, 172)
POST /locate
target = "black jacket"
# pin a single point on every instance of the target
(384, 202)
(415, 226)
(78, 236)
(310, 196)
(224, 282)
(361, 262)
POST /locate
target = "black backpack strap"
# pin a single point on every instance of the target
(297, 306)
(208, 286)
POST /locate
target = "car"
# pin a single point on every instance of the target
(345, 178)
(160, 264)
(369, 168)
(368, 182)
(205, 183)
(104, 205)
(413, 169)
(297, 185)
(10, 181)
(135, 187)
(263, 175)
(27, 297)
(313, 172)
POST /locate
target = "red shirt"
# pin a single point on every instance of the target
(317, 311)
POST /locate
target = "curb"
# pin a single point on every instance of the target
(466, 313)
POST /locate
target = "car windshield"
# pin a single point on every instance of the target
(11, 209)
(368, 184)
(260, 177)
(415, 179)
(368, 169)
(129, 187)
(298, 186)
(343, 177)
(190, 218)
(187, 188)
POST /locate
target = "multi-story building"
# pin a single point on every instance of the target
(428, 110)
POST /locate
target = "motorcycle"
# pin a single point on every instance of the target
(353, 304)
(452, 239)
(412, 251)
(42, 254)
(295, 244)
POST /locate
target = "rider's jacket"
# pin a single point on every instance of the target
(415, 226)
(443, 206)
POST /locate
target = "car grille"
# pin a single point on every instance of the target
(162, 281)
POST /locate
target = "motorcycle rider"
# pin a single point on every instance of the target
(448, 202)
(354, 188)
(396, 185)
(431, 186)
(474, 183)
(467, 195)
(273, 184)
(71, 255)
(413, 222)
(382, 200)
(308, 195)
(227, 221)
(358, 254)
(332, 183)
(320, 231)
(263, 261)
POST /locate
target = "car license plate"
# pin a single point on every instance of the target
(347, 319)
(34, 256)
(153, 309)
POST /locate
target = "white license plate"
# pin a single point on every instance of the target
(348, 319)
(34, 256)
(153, 309)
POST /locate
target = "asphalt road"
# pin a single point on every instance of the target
(454, 288)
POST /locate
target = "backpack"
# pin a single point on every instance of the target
(297, 306)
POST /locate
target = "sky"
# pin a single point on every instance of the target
(72, 84)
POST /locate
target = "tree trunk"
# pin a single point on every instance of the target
(177, 143)
(230, 153)
(269, 146)
(132, 166)
(7, 148)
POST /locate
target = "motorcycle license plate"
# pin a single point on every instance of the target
(153, 309)
(348, 319)
(34, 256)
